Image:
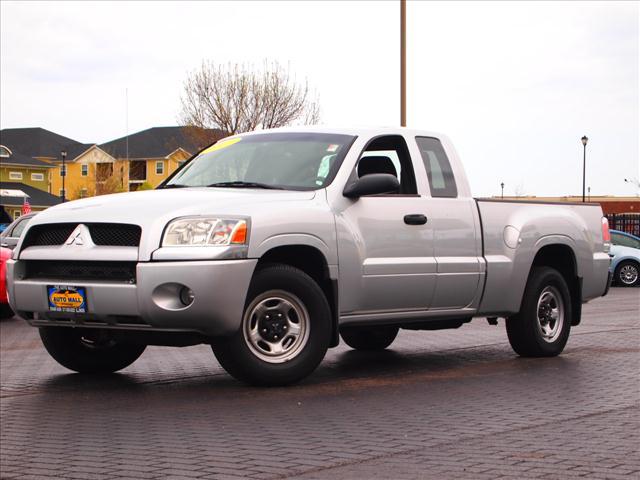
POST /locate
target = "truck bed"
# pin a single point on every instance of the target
(513, 231)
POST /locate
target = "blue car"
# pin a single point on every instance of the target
(625, 258)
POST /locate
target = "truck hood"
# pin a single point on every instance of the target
(152, 206)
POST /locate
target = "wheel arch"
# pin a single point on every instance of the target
(562, 257)
(626, 258)
(314, 263)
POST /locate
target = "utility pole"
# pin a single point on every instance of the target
(502, 192)
(403, 63)
(584, 139)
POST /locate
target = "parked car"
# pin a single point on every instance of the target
(271, 245)
(11, 235)
(5, 309)
(625, 258)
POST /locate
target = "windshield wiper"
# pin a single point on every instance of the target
(241, 184)
(174, 185)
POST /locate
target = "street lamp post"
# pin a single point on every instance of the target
(502, 191)
(589, 193)
(584, 164)
(63, 173)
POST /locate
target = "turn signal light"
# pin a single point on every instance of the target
(239, 234)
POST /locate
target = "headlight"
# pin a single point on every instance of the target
(202, 231)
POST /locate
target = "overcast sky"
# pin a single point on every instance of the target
(515, 85)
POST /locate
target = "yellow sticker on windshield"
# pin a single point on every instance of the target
(221, 144)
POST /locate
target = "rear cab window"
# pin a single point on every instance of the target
(442, 182)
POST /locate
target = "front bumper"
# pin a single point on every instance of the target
(219, 288)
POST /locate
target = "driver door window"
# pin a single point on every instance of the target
(389, 154)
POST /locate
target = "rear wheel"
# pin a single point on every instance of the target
(627, 273)
(541, 328)
(285, 331)
(86, 350)
(5, 311)
(369, 338)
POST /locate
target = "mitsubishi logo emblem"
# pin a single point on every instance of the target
(80, 236)
(75, 239)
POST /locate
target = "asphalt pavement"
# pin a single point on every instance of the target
(438, 404)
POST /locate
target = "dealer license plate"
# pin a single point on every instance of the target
(67, 298)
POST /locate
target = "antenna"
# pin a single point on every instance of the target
(126, 100)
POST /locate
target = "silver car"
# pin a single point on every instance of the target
(10, 237)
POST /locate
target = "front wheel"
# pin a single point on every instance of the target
(541, 327)
(285, 330)
(86, 350)
(369, 338)
(627, 273)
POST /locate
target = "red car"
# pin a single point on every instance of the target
(5, 309)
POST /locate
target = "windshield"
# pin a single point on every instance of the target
(292, 161)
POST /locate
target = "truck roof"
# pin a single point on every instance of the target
(350, 130)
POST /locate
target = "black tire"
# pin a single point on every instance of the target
(627, 274)
(525, 329)
(369, 338)
(248, 360)
(85, 350)
(5, 311)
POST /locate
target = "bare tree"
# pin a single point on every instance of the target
(109, 179)
(197, 138)
(104, 178)
(235, 98)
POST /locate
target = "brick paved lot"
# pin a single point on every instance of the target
(446, 404)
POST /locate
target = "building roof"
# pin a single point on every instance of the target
(38, 142)
(24, 161)
(37, 197)
(159, 142)
(74, 151)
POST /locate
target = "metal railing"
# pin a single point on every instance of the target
(625, 222)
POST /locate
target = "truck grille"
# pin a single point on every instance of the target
(77, 271)
(113, 234)
(49, 234)
(103, 234)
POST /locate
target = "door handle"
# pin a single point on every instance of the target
(415, 219)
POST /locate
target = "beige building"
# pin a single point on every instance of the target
(153, 154)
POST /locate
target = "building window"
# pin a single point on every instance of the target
(84, 170)
(160, 168)
(37, 177)
(16, 214)
(83, 193)
(15, 175)
(63, 193)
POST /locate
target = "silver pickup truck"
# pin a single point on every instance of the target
(270, 246)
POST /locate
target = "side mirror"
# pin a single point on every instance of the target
(372, 184)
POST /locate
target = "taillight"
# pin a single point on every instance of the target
(606, 235)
